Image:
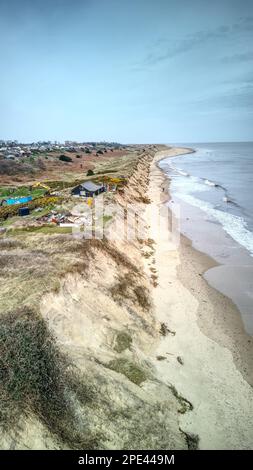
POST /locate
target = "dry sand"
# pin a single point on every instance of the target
(209, 359)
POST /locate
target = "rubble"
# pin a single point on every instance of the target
(54, 217)
(62, 219)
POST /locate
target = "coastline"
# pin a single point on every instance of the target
(158, 354)
(214, 220)
(209, 359)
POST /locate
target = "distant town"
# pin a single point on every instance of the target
(13, 150)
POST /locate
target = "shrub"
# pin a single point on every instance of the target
(132, 371)
(142, 297)
(65, 158)
(90, 173)
(78, 156)
(123, 341)
(36, 377)
(125, 288)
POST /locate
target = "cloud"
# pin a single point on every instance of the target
(237, 98)
(192, 41)
(242, 79)
(238, 58)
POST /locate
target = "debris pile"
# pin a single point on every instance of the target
(65, 219)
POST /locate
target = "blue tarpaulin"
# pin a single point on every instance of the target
(18, 200)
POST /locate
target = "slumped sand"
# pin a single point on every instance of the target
(214, 375)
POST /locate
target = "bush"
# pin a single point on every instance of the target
(65, 158)
(10, 211)
(90, 173)
(132, 371)
(87, 150)
(100, 152)
(78, 156)
(37, 378)
(123, 341)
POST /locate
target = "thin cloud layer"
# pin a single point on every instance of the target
(200, 38)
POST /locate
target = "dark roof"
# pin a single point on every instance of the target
(90, 186)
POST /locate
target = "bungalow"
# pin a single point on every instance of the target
(88, 189)
(10, 156)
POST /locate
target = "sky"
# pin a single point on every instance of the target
(131, 71)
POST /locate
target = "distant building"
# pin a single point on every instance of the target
(10, 157)
(88, 189)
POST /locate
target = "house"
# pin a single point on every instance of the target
(10, 157)
(88, 189)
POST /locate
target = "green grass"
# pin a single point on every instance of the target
(20, 191)
(9, 221)
(107, 218)
(126, 288)
(123, 341)
(33, 215)
(47, 229)
(131, 370)
(44, 211)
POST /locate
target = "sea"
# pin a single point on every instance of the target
(213, 188)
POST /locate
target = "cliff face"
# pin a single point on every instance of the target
(100, 328)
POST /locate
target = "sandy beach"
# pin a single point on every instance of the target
(207, 356)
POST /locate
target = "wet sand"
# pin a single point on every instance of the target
(233, 273)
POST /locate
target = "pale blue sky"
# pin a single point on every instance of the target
(130, 71)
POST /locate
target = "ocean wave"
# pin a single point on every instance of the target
(168, 166)
(210, 183)
(195, 183)
(187, 189)
(182, 172)
(191, 184)
(234, 225)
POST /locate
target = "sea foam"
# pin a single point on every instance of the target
(183, 188)
(234, 225)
